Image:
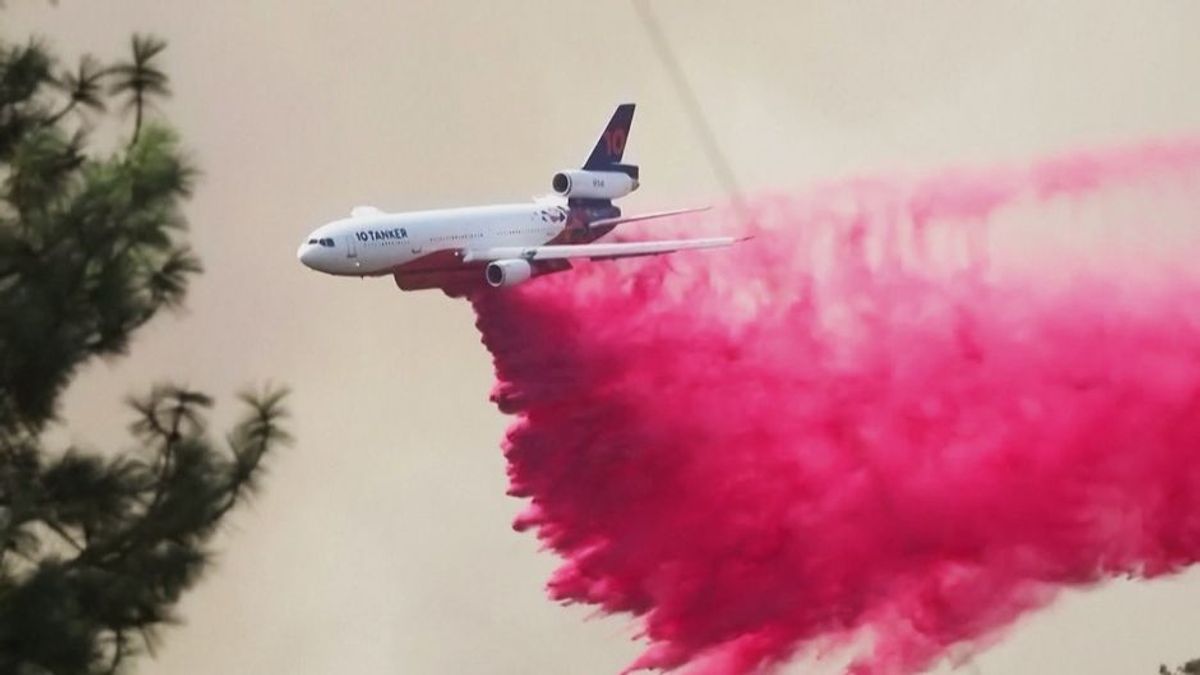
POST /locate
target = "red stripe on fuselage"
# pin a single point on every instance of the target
(446, 270)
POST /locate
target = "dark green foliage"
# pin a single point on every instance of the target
(89, 247)
(1189, 668)
(139, 79)
(96, 549)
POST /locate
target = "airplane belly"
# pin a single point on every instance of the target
(454, 282)
(424, 262)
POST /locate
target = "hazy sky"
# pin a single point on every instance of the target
(381, 543)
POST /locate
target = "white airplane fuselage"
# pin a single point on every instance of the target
(422, 247)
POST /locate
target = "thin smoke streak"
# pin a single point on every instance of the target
(691, 104)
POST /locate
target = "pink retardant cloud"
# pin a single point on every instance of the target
(862, 428)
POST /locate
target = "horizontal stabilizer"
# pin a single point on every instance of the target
(621, 220)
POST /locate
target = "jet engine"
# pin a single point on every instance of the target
(583, 184)
(508, 272)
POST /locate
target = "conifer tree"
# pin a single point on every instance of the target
(97, 547)
(1189, 668)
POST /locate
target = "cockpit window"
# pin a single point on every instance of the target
(312, 241)
(327, 242)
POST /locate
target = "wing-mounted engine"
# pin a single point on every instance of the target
(617, 180)
(508, 272)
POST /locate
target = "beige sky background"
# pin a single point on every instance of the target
(381, 543)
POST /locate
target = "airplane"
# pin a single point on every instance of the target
(460, 249)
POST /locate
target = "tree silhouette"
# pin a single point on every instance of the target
(82, 86)
(140, 79)
(1189, 668)
(96, 548)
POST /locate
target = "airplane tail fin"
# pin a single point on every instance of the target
(611, 145)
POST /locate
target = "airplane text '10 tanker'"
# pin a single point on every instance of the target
(502, 245)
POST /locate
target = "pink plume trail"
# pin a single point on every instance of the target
(893, 422)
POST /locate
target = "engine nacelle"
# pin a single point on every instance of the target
(582, 184)
(508, 272)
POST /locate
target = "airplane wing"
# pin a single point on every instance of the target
(604, 222)
(594, 251)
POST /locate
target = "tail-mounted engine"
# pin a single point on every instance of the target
(585, 184)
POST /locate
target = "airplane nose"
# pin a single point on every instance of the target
(307, 255)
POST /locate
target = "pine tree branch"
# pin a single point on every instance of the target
(54, 118)
(62, 533)
(119, 648)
